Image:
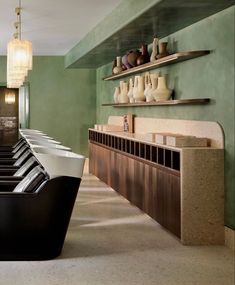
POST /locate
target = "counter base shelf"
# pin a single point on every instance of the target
(162, 103)
(184, 197)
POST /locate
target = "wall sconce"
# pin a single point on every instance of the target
(10, 97)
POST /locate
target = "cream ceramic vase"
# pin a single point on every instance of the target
(153, 79)
(123, 94)
(147, 85)
(116, 94)
(162, 93)
(139, 94)
(135, 87)
(154, 50)
(118, 68)
(130, 92)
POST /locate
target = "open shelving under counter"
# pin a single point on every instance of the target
(180, 187)
(170, 59)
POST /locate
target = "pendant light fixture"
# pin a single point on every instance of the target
(19, 56)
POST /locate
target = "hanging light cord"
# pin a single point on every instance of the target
(18, 23)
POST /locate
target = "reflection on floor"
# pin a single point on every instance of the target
(111, 242)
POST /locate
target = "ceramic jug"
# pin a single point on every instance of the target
(154, 50)
(123, 94)
(139, 94)
(162, 93)
(116, 94)
(135, 87)
(154, 80)
(130, 92)
(147, 85)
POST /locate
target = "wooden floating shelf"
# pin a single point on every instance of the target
(170, 59)
(162, 103)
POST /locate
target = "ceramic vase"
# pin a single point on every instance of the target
(154, 50)
(114, 65)
(130, 92)
(139, 94)
(116, 94)
(147, 85)
(162, 93)
(125, 62)
(123, 93)
(154, 81)
(132, 57)
(144, 57)
(118, 68)
(135, 87)
(162, 50)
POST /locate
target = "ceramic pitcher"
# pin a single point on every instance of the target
(139, 94)
(162, 93)
(124, 90)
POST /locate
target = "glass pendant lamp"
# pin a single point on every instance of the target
(19, 56)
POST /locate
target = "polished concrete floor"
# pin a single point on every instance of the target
(110, 242)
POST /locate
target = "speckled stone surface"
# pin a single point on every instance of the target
(110, 242)
(202, 196)
(230, 239)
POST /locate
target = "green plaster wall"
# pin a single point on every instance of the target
(119, 17)
(3, 65)
(62, 101)
(209, 76)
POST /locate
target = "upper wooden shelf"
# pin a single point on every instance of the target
(162, 103)
(170, 59)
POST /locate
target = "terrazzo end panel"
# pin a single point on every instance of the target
(202, 196)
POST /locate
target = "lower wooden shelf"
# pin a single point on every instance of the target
(162, 103)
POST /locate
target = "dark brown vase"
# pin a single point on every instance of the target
(144, 57)
(132, 57)
(162, 50)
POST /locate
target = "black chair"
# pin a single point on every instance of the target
(18, 174)
(14, 154)
(33, 225)
(15, 163)
(11, 148)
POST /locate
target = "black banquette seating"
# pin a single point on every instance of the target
(35, 211)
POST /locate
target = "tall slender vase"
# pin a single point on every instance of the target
(139, 95)
(130, 92)
(124, 90)
(147, 85)
(162, 93)
(116, 94)
(135, 87)
(154, 80)
(118, 67)
(154, 50)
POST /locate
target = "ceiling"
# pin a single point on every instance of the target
(53, 26)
